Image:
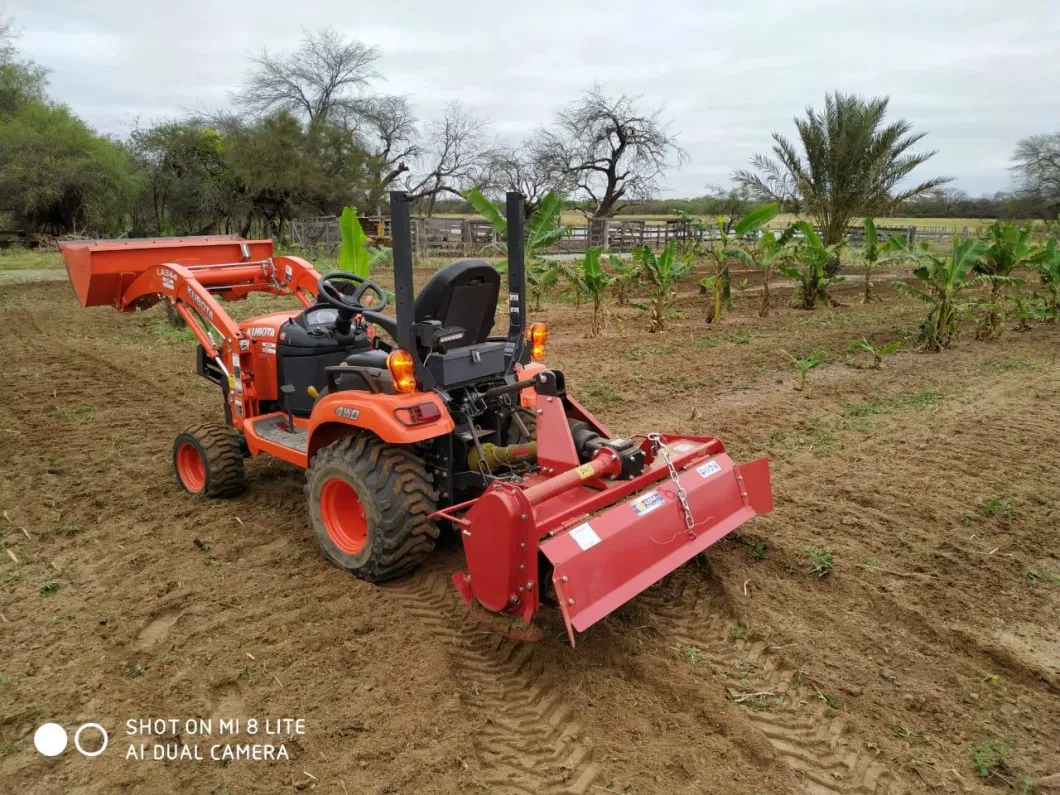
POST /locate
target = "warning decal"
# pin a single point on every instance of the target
(584, 536)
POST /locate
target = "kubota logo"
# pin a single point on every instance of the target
(261, 331)
(197, 300)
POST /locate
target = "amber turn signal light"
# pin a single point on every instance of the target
(402, 370)
(538, 336)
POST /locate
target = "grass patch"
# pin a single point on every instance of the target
(814, 438)
(758, 551)
(916, 401)
(601, 393)
(737, 337)
(636, 353)
(18, 259)
(821, 562)
(998, 506)
(1033, 575)
(1003, 364)
(989, 758)
(163, 329)
(692, 655)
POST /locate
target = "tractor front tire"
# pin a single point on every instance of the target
(369, 504)
(209, 461)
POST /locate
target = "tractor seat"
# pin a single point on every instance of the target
(462, 294)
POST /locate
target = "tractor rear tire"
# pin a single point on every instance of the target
(369, 504)
(208, 461)
(516, 435)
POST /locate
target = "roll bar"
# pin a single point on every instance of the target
(404, 297)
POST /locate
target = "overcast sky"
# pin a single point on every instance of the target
(975, 75)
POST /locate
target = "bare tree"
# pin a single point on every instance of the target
(1036, 166)
(525, 168)
(388, 134)
(610, 149)
(323, 79)
(455, 156)
(7, 41)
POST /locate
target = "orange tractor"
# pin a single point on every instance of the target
(409, 422)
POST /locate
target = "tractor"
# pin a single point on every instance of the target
(410, 423)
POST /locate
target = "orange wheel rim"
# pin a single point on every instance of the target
(343, 516)
(191, 468)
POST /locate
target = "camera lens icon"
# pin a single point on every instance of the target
(51, 739)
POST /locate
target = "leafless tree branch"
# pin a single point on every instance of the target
(323, 79)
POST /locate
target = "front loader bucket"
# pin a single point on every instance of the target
(618, 552)
(100, 270)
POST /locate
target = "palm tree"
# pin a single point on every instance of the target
(851, 165)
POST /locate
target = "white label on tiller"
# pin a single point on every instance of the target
(682, 447)
(584, 536)
(708, 469)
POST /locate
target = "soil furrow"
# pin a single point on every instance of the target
(527, 741)
(807, 735)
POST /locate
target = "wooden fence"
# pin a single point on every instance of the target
(449, 237)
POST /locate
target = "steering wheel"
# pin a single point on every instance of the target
(340, 297)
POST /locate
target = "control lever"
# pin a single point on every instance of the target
(288, 390)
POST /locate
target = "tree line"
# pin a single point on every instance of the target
(306, 134)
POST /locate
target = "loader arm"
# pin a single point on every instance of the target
(191, 275)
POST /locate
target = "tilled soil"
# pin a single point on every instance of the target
(932, 483)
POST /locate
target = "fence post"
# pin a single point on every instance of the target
(964, 233)
(419, 236)
(466, 241)
(912, 235)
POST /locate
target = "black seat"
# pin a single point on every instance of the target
(462, 294)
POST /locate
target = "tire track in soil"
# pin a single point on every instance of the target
(531, 744)
(808, 736)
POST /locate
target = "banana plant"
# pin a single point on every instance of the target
(627, 276)
(591, 280)
(1008, 248)
(803, 365)
(874, 253)
(765, 254)
(1047, 259)
(543, 228)
(877, 353)
(943, 280)
(662, 272)
(811, 279)
(541, 276)
(716, 243)
(354, 256)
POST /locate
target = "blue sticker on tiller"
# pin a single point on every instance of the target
(648, 502)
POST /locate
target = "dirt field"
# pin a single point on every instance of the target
(931, 646)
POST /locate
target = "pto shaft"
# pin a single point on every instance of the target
(605, 463)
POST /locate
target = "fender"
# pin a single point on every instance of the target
(334, 415)
(528, 396)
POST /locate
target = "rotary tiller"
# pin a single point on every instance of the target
(438, 422)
